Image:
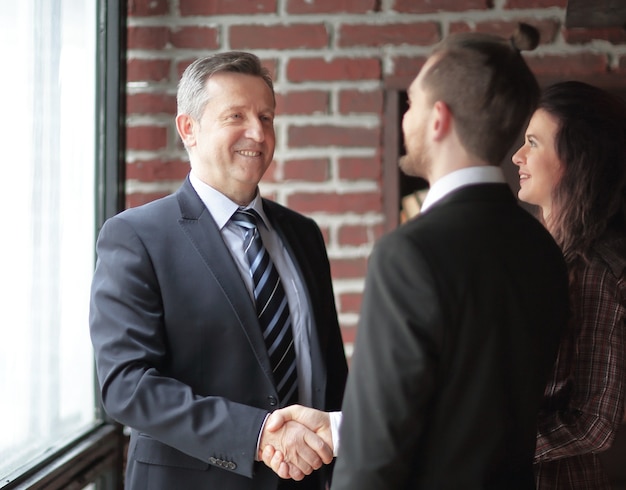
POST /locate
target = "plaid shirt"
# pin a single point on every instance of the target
(583, 403)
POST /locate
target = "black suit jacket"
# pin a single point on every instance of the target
(179, 352)
(461, 318)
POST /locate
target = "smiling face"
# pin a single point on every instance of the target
(540, 169)
(232, 144)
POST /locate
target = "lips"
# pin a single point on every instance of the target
(523, 177)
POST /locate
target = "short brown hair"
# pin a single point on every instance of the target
(487, 86)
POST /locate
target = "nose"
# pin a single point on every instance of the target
(255, 130)
(517, 157)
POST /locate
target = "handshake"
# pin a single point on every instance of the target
(295, 441)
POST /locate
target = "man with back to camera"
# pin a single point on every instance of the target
(463, 306)
(187, 354)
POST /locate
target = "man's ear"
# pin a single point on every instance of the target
(185, 127)
(441, 121)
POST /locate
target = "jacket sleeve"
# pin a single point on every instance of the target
(393, 370)
(130, 343)
(592, 361)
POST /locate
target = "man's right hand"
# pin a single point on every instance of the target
(291, 459)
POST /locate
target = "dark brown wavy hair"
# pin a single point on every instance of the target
(590, 198)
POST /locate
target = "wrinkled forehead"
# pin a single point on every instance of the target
(230, 85)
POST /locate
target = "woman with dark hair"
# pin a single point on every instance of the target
(573, 167)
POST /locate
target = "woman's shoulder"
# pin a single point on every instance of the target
(605, 272)
(611, 251)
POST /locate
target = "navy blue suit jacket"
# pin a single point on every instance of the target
(179, 352)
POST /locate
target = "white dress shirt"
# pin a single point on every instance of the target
(221, 209)
(461, 178)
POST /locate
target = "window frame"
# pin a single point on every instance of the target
(95, 457)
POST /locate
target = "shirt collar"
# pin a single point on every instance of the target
(220, 206)
(460, 178)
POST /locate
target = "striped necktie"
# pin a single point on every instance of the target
(272, 308)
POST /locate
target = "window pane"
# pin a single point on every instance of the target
(47, 136)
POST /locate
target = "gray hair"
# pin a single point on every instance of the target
(192, 95)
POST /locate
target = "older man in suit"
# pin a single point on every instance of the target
(212, 307)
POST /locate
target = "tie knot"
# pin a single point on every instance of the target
(246, 218)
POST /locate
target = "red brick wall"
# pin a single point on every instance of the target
(332, 60)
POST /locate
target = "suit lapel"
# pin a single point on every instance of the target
(200, 228)
(292, 239)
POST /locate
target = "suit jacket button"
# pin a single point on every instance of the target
(212, 460)
(232, 466)
(273, 401)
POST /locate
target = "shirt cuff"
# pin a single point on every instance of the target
(258, 441)
(335, 425)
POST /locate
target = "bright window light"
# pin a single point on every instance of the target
(47, 136)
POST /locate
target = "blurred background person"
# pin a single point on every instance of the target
(465, 304)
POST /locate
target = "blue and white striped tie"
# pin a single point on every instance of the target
(272, 308)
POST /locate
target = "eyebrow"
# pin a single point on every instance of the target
(231, 108)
